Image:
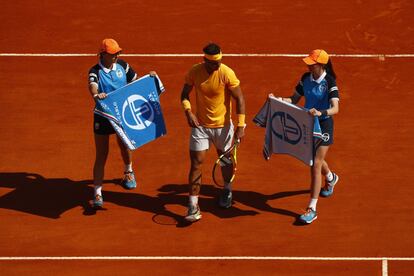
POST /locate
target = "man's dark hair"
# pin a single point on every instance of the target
(212, 49)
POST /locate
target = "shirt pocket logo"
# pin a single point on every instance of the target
(323, 88)
(119, 73)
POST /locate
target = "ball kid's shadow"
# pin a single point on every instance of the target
(47, 197)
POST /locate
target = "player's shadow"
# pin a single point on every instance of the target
(252, 199)
(145, 203)
(51, 197)
(178, 194)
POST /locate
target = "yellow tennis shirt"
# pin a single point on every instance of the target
(213, 97)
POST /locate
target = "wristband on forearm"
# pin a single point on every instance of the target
(241, 120)
(186, 105)
(324, 112)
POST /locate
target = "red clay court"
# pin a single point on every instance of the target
(47, 151)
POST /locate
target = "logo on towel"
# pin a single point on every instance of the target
(286, 128)
(137, 112)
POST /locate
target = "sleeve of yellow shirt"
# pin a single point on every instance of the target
(189, 78)
(232, 80)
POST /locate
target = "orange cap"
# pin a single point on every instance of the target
(110, 46)
(317, 56)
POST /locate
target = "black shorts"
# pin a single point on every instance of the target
(327, 127)
(102, 126)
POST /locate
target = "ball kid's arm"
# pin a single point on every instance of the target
(93, 89)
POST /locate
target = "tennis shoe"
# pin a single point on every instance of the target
(309, 216)
(329, 186)
(97, 202)
(129, 182)
(193, 213)
(226, 199)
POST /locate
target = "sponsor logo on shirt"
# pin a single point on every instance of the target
(323, 88)
(119, 73)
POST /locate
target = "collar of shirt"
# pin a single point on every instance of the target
(107, 70)
(320, 78)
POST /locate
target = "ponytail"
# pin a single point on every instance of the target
(329, 69)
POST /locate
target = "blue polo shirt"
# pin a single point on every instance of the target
(111, 79)
(318, 93)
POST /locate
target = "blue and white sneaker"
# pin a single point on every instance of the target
(329, 186)
(309, 216)
(97, 202)
(129, 182)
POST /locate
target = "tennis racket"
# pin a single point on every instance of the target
(224, 170)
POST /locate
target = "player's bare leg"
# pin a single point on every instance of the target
(194, 179)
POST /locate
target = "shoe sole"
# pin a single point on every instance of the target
(97, 205)
(225, 206)
(325, 195)
(123, 185)
(129, 188)
(309, 222)
(193, 218)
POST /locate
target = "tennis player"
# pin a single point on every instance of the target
(108, 75)
(215, 85)
(319, 88)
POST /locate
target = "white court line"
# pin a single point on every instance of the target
(199, 55)
(384, 260)
(206, 258)
(384, 267)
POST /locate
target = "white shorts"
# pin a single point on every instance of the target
(221, 138)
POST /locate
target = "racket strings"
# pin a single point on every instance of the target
(225, 167)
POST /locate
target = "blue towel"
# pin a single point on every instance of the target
(135, 111)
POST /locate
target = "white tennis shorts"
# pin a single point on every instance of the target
(221, 138)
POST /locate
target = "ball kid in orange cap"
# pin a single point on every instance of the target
(110, 46)
(317, 56)
(318, 87)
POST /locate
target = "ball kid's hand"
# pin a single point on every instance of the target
(315, 112)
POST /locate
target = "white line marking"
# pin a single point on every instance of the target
(206, 258)
(384, 267)
(199, 55)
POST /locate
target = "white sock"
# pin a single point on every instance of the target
(312, 203)
(228, 186)
(98, 190)
(329, 176)
(128, 168)
(193, 200)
